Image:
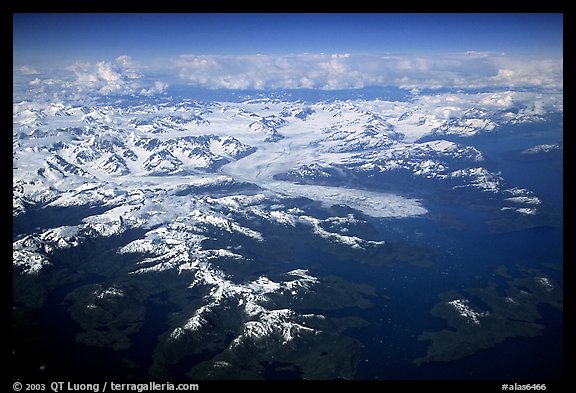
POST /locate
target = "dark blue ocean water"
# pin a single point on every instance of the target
(468, 260)
(467, 257)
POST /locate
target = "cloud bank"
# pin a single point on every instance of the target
(344, 71)
(302, 71)
(84, 79)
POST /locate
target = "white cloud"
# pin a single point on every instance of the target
(529, 103)
(157, 88)
(120, 77)
(299, 71)
(124, 61)
(27, 70)
(264, 71)
(341, 71)
(80, 79)
(545, 72)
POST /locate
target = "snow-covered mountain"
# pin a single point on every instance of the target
(203, 193)
(106, 156)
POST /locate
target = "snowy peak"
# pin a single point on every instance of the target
(367, 132)
(297, 112)
(268, 126)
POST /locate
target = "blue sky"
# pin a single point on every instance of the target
(145, 51)
(101, 36)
